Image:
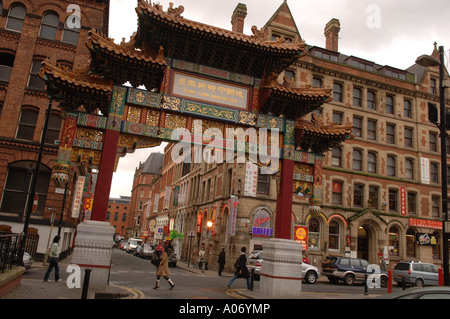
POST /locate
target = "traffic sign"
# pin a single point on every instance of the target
(35, 202)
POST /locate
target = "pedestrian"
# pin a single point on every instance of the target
(195, 258)
(54, 258)
(159, 251)
(202, 257)
(241, 269)
(163, 270)
(305, 259)
(221, 261)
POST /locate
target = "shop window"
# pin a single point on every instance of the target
(314, 234)
(16, 17)
(49, 26)
(6, 65)
(436, 249)
(394, 236)
(410, 243)
(27, 124)
(17, 186)
(334, 234)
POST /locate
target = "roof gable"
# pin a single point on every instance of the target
(283, 22)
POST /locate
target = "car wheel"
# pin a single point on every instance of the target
(311, 277)
(384, 281)
(349, 279)
(419, 282)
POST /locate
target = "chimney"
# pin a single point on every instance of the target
(237, 20)
(332, 34)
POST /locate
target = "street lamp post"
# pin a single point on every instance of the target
(426, 60)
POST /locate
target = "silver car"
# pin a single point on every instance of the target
(310, 273)
(416, 273)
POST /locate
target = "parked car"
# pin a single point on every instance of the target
(416, 273)
(137, 250)
(310, 273)
(172, 260)
(146, 251)
(27, 260)
(349, 270)
(124, 246)
(433, 293)
(132, 244)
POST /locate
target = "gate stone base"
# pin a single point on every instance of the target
(93, 250)
(281, 270)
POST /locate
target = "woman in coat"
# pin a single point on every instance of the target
(163, 270)
(241, 269)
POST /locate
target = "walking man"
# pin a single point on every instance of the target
(241, 269)
(221, 261)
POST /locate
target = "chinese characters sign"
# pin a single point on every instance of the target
(210, 91)
(78, 197)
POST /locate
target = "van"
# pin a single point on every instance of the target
(416, 273)
(132, 244)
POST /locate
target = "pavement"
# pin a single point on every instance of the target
(32, 288)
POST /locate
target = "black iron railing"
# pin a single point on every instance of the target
(9, 251)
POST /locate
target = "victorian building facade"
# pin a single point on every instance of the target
(381, 189)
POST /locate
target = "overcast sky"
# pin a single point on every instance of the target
(387, 32)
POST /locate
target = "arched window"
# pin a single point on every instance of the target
(333, 235)
(16, 17)
(17, 186)
(6, 65)
(27, 124)
(49, 27)
(70, 34)
(314, 234)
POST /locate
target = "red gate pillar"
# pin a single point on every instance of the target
(283, 220)
(109, 152)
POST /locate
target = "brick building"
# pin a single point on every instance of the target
(118, 214)
(31, 32)
(381, 189)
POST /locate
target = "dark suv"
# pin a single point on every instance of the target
(349, 270)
